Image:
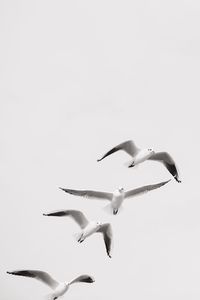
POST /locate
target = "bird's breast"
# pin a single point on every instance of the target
(142, 156)
(117, 200)
(91, 228)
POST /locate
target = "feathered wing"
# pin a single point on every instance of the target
(168, 161)
(83, 278)
(77, 215)
(144, 189)
(89, 194)
(39, 275)
(128, 146)
(106, 230)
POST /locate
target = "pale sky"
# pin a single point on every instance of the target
(77, 78)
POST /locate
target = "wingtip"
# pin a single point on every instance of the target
(8, 272)
(91, 280)
(45, 214)
(178, 180)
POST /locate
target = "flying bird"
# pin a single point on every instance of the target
(59, 288)
(88, 227)
(140, 155)
(116, 199)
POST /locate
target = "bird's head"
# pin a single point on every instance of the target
(150, 150)
(121, 189)
(99, 224)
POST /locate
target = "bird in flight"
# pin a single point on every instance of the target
(88, 227)
(140, 155)
(116, 199)
(59, 288)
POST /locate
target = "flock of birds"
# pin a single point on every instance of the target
(115, 201)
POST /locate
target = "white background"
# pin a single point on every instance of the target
(76, 78)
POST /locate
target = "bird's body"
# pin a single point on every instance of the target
(117, 198)
(91, 228)
(59, 291)
(140, 155)
(88, 227)
(59, 288)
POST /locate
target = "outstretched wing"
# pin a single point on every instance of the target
(128, 146)
(77, 215)
(83, 278)
(106, 229)
(37, 274)
(168, 161)
(144, 189)
(89, 194)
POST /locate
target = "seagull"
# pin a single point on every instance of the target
(140, 155)
(88, 227)
(117, 197)
(59, 288)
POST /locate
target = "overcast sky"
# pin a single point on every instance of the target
(76, 78)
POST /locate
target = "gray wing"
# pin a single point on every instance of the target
(144, 189)
(168, 161)
(77, 215)
(83, 278)
(89, 194)
(106, 229)
(40, 275)
(128, 146)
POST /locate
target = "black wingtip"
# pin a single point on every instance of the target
(10, 273)
(178, 180)
(45, 214)
(90, 280)
(98, 160)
